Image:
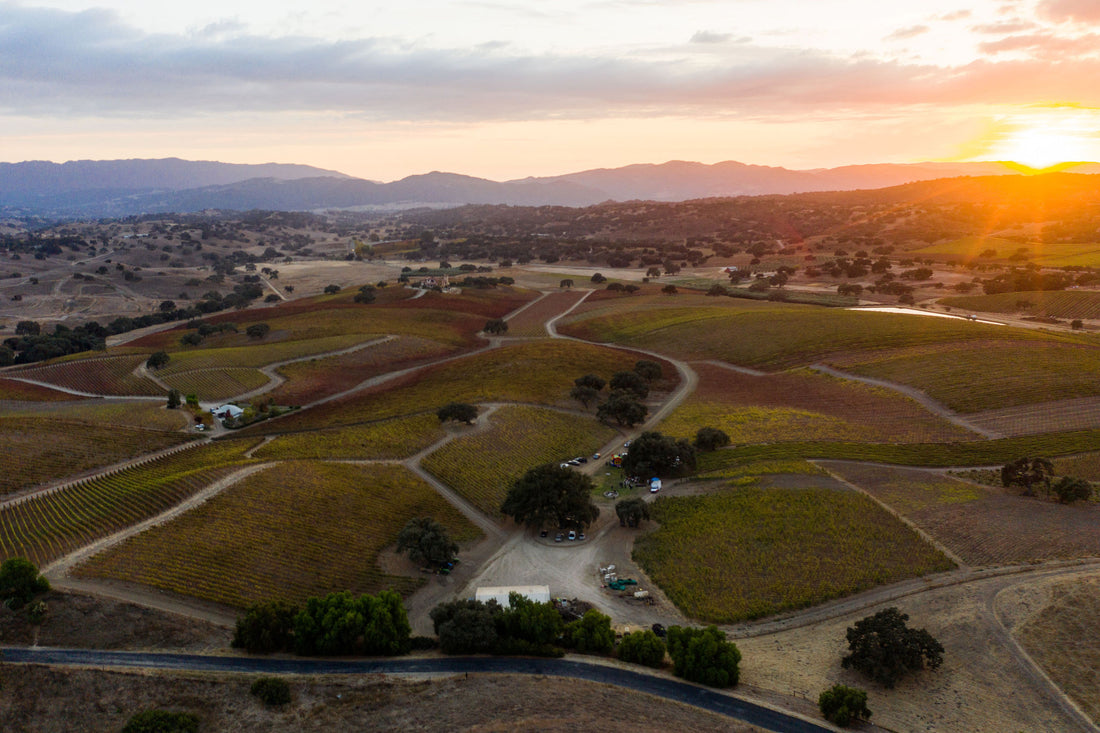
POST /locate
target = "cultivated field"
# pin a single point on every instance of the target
(483, 465)
(294, 530)
(35, 450)
(531, 322)
(1066, 304)
(982, 525)
(111, 375)
(803, 405)
(216, 384)
(387, 439)
(14, 390)
(48, 526)
(316, 379)
(1046, 254)
(743, 553)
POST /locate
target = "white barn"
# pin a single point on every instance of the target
(499, 593)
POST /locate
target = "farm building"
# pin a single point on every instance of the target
(537, 593)
(227, 411)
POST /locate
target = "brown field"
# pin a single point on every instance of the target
(532, 321)
(105, 700)
(109, 375)
(295, 530)
(981, 525)
(14, 390)
(308, 381)
(803, 405)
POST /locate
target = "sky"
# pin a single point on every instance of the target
(506, 89)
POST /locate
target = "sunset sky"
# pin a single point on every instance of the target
(504, 89)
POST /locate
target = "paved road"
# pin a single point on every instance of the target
(714, 701)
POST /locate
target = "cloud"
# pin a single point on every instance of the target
(1077, 11)
(1046, 45)
(955, 15)
(1007, 26)
(711, 37)
(906, 33)
(56, 64)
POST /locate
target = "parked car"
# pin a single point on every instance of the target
(580, 536)
(542, 533)
(558, 537)
(572, 535)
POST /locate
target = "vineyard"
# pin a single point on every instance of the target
(531, 322)
(296, 530)
(1067, 304)
(990, 375)
(109, 375)
(983, 526)
(34, 450)
(256, 355)
(747, 553)
(540, 372)
(803, 405)
(47, 526)
(14, 390)
(775, 336)
(1046, 254)
(482, 466)
(217, 384)
(312, 380)
(388, 439)
(145, 414)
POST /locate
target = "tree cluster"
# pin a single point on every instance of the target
(472, 627)
(551, 496)
(20, 582)
(333, 625)
(885, 649)
(654, 454)
(704, 656)
(642, 647)
(632, 511)
(427, 542)
(1037, 473)
(457, 411)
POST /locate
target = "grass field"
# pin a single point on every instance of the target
(296, 530)
(11, 389)
(315, 379)
(1061, 637)
(217, 384)
(538, 372)
(48, 526)
(748, 552)
(804, 405)
(1047, 254)
(107, 375)
(386, 439)
(483, 465)
(976, 376)
(776, 336)
(1066, 304)
(977, 453)
(984, 526)
(35, 450)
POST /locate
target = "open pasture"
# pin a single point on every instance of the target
(774, 336)
(988, 375)
(745, 553)
(974, 453)
(1067, 304)
(216, 384)
(35, 450)
(100, 375)
(16, 391)
(537, 372)
(292, 531)
(982, 525)
(803, 405)
(50, 525)
(308, 381)
(386, 439)
(1046, 254)
(531, 322)
(482, 466)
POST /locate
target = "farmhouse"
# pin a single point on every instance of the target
(227, 411)
(500, 593)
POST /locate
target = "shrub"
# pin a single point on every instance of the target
(642, 647)
(710, 439)
(162, 721)
(20, 582)
(841, 704)
(273, 691)
(266, 628)
(591, 633)
(1069, 489)
(704, 656)
(457, 411)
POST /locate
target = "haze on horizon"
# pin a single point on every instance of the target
(505, 90)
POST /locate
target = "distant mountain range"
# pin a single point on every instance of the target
(124, 187)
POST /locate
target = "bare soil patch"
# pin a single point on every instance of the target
(45, 699)
(91, 622)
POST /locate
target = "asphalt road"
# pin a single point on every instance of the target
(700, 697)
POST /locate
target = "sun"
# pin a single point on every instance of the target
(1042, 148)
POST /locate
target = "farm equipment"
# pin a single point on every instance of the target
(621, 583)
